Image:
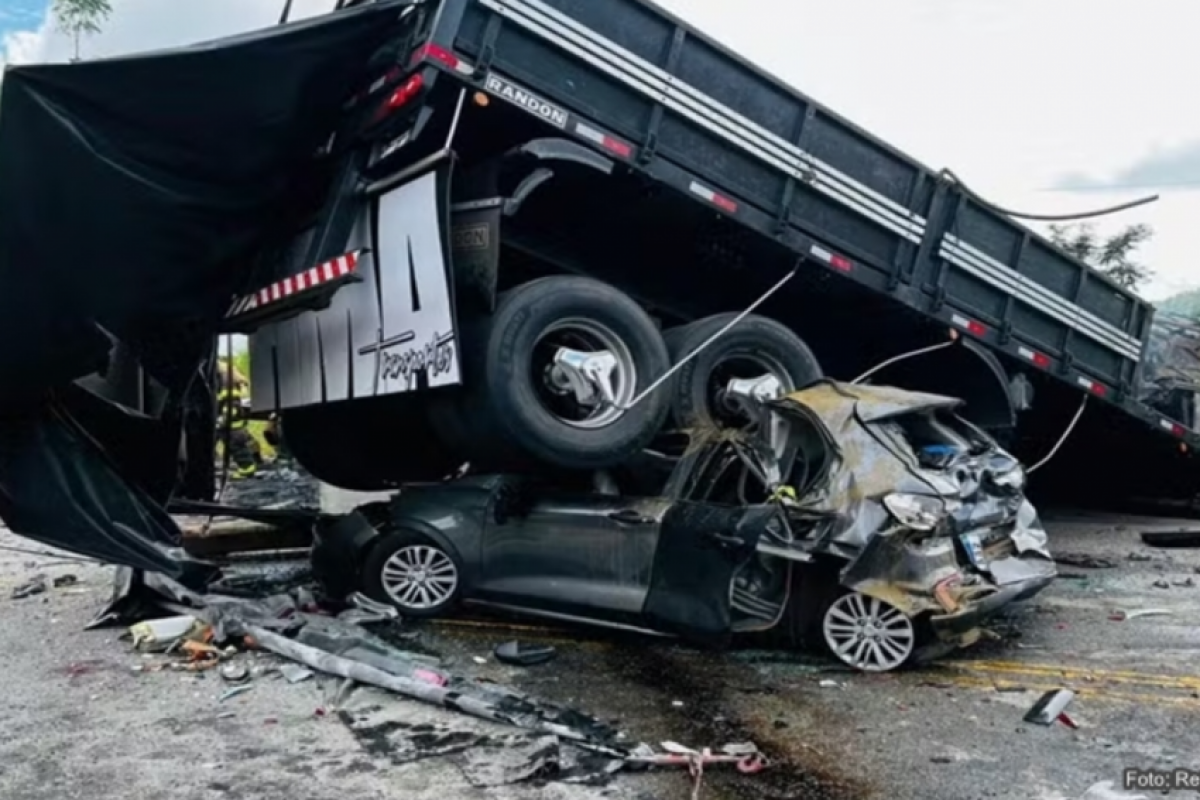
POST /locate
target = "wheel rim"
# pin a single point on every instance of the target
(867, 633)
(420, 577)
(741, 365)
(585, 336)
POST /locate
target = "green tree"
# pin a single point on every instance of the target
(80, 18)
(1113, 256)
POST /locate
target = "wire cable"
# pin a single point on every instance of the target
(922, 351)
(1057, 445)
(949, 175)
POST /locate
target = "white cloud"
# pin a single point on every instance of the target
(1011, 94)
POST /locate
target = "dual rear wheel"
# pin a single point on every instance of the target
(556, 377)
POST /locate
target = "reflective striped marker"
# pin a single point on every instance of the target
(720, 201)
(969, 325)
(840, 263)
(1098, 389)
(309, 279)
(601, 138)
(1037, 359)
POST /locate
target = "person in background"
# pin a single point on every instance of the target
(273, 434)
(233, 407)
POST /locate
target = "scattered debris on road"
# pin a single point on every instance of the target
(1051, 708)
(558, 743)
(1084, 561)
(1121, 615)
(33, 586)
(1172, 539)
(520, 654)
(744, 756)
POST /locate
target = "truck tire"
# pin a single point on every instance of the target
(512, 413)
(755, 346)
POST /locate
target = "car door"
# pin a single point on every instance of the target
(578, 554)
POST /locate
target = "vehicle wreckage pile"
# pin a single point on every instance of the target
(870, 521)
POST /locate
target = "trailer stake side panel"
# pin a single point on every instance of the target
(671, 99)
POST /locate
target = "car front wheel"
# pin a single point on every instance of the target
(867, 633)
(413, 573)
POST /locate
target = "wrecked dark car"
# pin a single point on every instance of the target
(873, 521)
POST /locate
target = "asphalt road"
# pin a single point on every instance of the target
(80, 722)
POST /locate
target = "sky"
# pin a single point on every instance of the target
(1043, 106)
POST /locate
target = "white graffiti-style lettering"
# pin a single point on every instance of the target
(435, 357)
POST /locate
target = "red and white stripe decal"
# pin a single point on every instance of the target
(1038, 359)
(328, 271)
(1171, 426)
(840, 263)
(971, 326)
(1097, 389)
(601, 138)
(721, 202)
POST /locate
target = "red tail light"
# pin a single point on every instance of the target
(403, 94)
(435, 53)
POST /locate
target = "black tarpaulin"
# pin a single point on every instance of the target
(58, 487)
(135, 191)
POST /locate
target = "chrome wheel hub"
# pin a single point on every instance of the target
(867, 633)
(419, 577)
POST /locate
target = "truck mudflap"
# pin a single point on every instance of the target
(391, 331)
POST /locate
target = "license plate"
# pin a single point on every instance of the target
(973, 544)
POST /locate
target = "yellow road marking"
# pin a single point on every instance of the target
(971, 682)
(1085, 674)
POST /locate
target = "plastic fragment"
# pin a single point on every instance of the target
(234, 692)
(523, 655)
(1122, 615)
(1050, 707)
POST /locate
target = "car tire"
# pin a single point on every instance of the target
(507, 417)
(395, 562)
(897, 633)
(755, 346)
(814, 587)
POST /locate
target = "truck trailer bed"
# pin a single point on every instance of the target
(663, 98)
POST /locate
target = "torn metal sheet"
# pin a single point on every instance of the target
(926, 511)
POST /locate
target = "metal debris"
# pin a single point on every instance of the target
(35, 585)
(1050, 707)
(235, 673)
(294, 673)
(234, 692)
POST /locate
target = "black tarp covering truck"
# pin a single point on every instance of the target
(483, 231)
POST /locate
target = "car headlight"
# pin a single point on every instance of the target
(1012, 479)
(920, 512)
